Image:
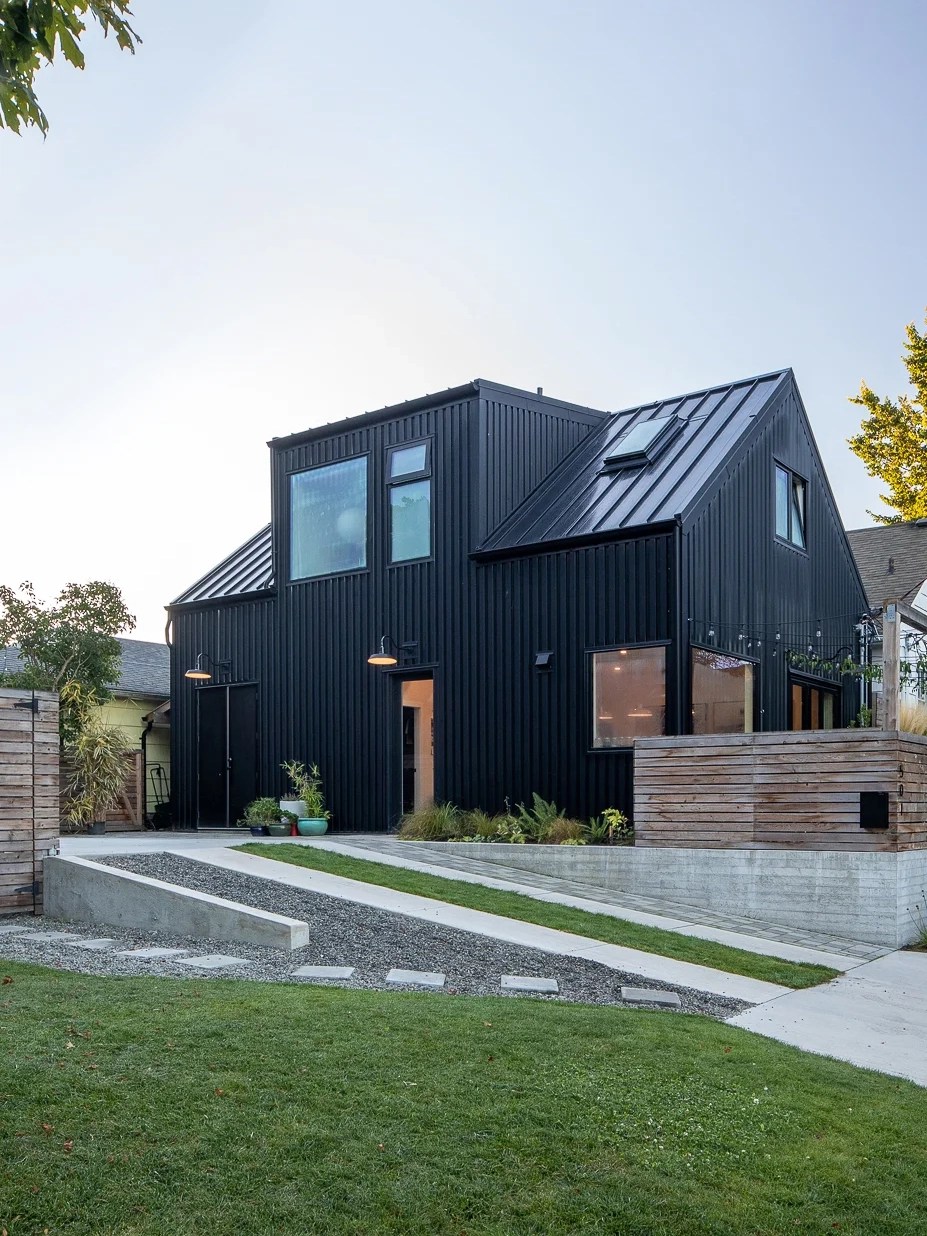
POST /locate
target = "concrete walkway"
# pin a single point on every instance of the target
(875, 1016)
(456, 862)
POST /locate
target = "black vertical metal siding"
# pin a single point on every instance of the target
(308, 645)
(741, 579)
(239, 631)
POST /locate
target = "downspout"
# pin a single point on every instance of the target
(681, 641)
(143, 805)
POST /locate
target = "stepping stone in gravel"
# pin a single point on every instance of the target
(149, 954)
(324, 972)
(522, 982)
(46, 937)
(641, 995)
(9, 931)
(95, 945)
(212, 961)
(420, 978)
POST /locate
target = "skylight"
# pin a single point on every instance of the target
(644, 442)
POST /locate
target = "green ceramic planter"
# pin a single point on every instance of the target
(278, 830)
(312, 828)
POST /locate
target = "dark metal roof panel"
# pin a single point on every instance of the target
(584, 498)
(248, 569)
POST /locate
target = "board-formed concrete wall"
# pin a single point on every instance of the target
(29, 828)
(856, 896)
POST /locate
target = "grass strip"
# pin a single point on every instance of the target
(550, 914)
(152, 1105)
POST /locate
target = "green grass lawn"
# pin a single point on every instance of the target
(549, 914)
(152, 1106)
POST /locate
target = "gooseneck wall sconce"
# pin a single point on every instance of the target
(383, 655)
(200, 672)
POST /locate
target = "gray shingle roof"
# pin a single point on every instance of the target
(892, 560)
(248, 569)
(584, 497)
(145, 670)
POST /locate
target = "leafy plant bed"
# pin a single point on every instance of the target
(397, 1114)
(550, 914)
(541, 824)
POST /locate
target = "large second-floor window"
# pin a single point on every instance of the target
(328, 519)
(409, 482)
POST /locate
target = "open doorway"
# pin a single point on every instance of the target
(418, 759)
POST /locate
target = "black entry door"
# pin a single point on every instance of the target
(227, 753)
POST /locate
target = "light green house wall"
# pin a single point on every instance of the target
(127, 714)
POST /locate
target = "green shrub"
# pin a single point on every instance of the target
(535, 820)
(612, 827)
(562, 830)
(262, 811)
(439, 822)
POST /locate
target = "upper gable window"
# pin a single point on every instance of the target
(791, 508)
(409, 484)
(328, 519)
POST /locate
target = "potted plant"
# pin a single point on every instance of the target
(97, 759)
(313, 817)
(260, 814)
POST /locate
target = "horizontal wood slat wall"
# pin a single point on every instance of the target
(780, 790)
(28, 796)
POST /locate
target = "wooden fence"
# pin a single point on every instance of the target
(782, 790)
(28, 795)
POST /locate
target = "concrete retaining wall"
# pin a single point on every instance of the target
(856, 896)
(88, 892)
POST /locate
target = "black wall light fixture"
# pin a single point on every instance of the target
(383, 655)
(200, 673)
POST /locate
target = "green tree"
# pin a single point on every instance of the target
(72, 641)
(892, 441)
(32, 32)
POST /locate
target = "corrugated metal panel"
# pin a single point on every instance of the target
(248, 569)
(582, 498)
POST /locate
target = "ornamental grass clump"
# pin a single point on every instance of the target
(438, 822)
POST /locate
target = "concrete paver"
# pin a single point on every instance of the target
(151, 953)
(523, 982)
(99, 945)
(420, 978)
(324, 972)
(644, 995)
(212, 961)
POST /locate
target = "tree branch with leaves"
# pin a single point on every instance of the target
(892, 441)
(33, 32)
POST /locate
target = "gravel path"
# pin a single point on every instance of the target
(349, 934)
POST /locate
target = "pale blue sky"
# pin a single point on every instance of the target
(280, 214)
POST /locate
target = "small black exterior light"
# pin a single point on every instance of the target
(200, 673)
(543, 661)
(383, 656)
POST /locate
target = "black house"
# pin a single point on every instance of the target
(547, 582)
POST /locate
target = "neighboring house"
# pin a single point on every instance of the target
(892, 560)
(139, 706)
(552, 582)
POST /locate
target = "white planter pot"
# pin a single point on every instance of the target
(296, 805)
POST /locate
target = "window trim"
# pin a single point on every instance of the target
(665, 644)
(407, 478)
(419, 473)
(368, 533)
(793, 476)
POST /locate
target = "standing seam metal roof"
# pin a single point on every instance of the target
(584, 497)
(248, 569)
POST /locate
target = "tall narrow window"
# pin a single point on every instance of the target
(328, 519)
(409, 483)
(722, 693)
(628, 695)
(790, 507)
